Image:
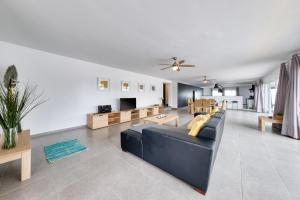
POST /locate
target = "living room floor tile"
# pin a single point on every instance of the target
(249, 165)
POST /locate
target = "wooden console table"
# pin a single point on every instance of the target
(21, 151)
(100, 120)
(263, 119)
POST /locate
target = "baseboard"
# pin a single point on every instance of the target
(182, 108)
(56, 131)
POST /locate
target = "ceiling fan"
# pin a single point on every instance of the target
(177, 64)
(206, 81)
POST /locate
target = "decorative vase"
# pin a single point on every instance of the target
(10, 138)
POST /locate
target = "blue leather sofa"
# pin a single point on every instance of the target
(188, 158)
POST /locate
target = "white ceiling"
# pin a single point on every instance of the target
(232, 41)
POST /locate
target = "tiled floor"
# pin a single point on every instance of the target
(249, 165)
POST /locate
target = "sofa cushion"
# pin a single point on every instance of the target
(218, 115)
(221, 111)
(208, 133)
(210, 129)
(213, 122)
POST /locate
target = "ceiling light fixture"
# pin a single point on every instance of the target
(207, 81)
(176, 68)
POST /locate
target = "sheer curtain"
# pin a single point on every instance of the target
(262, 97)
(258, 96)
(267, 105)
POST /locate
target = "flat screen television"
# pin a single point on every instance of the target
(127, 103)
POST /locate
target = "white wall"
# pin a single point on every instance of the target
(174, 95)
(207, 91)
(245, 92)
(71, 86)
(273, 76)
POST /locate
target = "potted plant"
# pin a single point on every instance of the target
(15, 105)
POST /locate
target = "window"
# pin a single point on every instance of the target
(230, 92)
(273, 91)
(215, 92)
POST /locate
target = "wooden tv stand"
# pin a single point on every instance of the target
(100, 120)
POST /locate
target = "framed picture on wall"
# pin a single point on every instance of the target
(125, 86)
(141, 87)
(152, 88)
(103, 84)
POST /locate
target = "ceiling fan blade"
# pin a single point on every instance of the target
(187, 65)
(166, 68)
(181, 61)
(165, 64)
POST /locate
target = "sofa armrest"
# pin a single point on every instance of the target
(131, 141)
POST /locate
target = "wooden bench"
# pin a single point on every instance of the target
(263, 119)
(21, 151)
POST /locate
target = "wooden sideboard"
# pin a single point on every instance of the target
(100, 120)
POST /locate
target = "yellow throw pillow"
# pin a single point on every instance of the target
(216, 109)
(196, 119)
(206, 117)
(197, 127)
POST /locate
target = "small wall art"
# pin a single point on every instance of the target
(141, 87)
(125, 86)
(152, 88)
(103, 84)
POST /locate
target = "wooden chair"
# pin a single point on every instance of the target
(191, 108)
(212, 102)
(198, 105)
(206, 103)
